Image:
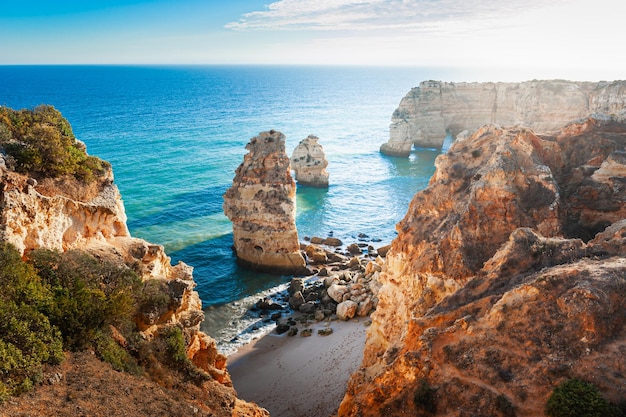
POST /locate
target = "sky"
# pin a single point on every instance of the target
(578, 35)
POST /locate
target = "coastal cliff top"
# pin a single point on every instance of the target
(41, 145)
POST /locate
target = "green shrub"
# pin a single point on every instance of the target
(88, 294)
(108, 350)
(176, 355)
(576, 398)
(72, 300)
(175, 345)
(41, 142)
(154, 300)
(27, 339)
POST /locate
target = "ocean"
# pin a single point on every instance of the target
(175, 135)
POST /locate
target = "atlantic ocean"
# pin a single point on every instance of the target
(175, 135)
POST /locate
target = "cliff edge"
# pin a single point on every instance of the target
(428, 112)
(506, 278)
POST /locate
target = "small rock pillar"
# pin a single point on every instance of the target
(309, 163)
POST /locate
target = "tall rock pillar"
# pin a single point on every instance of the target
(262, 207)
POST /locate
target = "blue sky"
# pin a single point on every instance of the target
(574, 34)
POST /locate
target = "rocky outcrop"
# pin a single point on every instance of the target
(262, 207)
(504, 279)
(64, 214)
(30, 219)
(428, 112)
(309, 163)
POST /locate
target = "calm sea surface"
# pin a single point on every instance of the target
(175, 135)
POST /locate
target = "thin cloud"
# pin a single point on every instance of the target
(360, 15)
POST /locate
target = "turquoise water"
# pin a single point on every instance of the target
(175, 135)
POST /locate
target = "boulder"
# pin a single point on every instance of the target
(336, 292)
(316, 255)
(346, 310)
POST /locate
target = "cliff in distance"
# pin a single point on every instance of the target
(507, 278)
(428, 112)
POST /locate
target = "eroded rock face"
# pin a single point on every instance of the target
(33, 220)
(492, 293)
(309, 163)
(429, 111)
(262, 207)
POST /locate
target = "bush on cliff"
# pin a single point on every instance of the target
(73, 301)
(576, 398)
(41, 143)
(27, 339)
(89, 295)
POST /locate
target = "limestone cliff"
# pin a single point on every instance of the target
(309, 163)
(64, 213)
(435, 108)
(504, 279)
(262, 207)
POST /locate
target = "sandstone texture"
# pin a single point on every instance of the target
(262, 207)
(506, 278)
(309, 163)
(35, 215)
(64, 214)
(428, 112)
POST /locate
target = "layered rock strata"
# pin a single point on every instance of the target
(65, 214)
(504, 280)
(309, 163)
(428, 112)
(262, 207)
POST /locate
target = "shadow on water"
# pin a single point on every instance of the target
(184, 206)
(219, 278)
(312, 205)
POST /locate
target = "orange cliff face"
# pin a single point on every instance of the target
(504, 279)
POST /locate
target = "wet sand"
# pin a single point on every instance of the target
(299, 376)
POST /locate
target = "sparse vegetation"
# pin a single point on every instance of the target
(27, 339)
(73, 301)
(40, 142)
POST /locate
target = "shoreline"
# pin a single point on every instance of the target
(299, 376)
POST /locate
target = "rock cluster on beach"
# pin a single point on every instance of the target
(428, 112)
(262, 208)
(506, 278)
(309, 163)
(344, 285)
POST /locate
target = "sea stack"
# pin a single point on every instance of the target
(262, 207)
(309, 163)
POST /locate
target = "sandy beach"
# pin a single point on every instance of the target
(300, 376)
